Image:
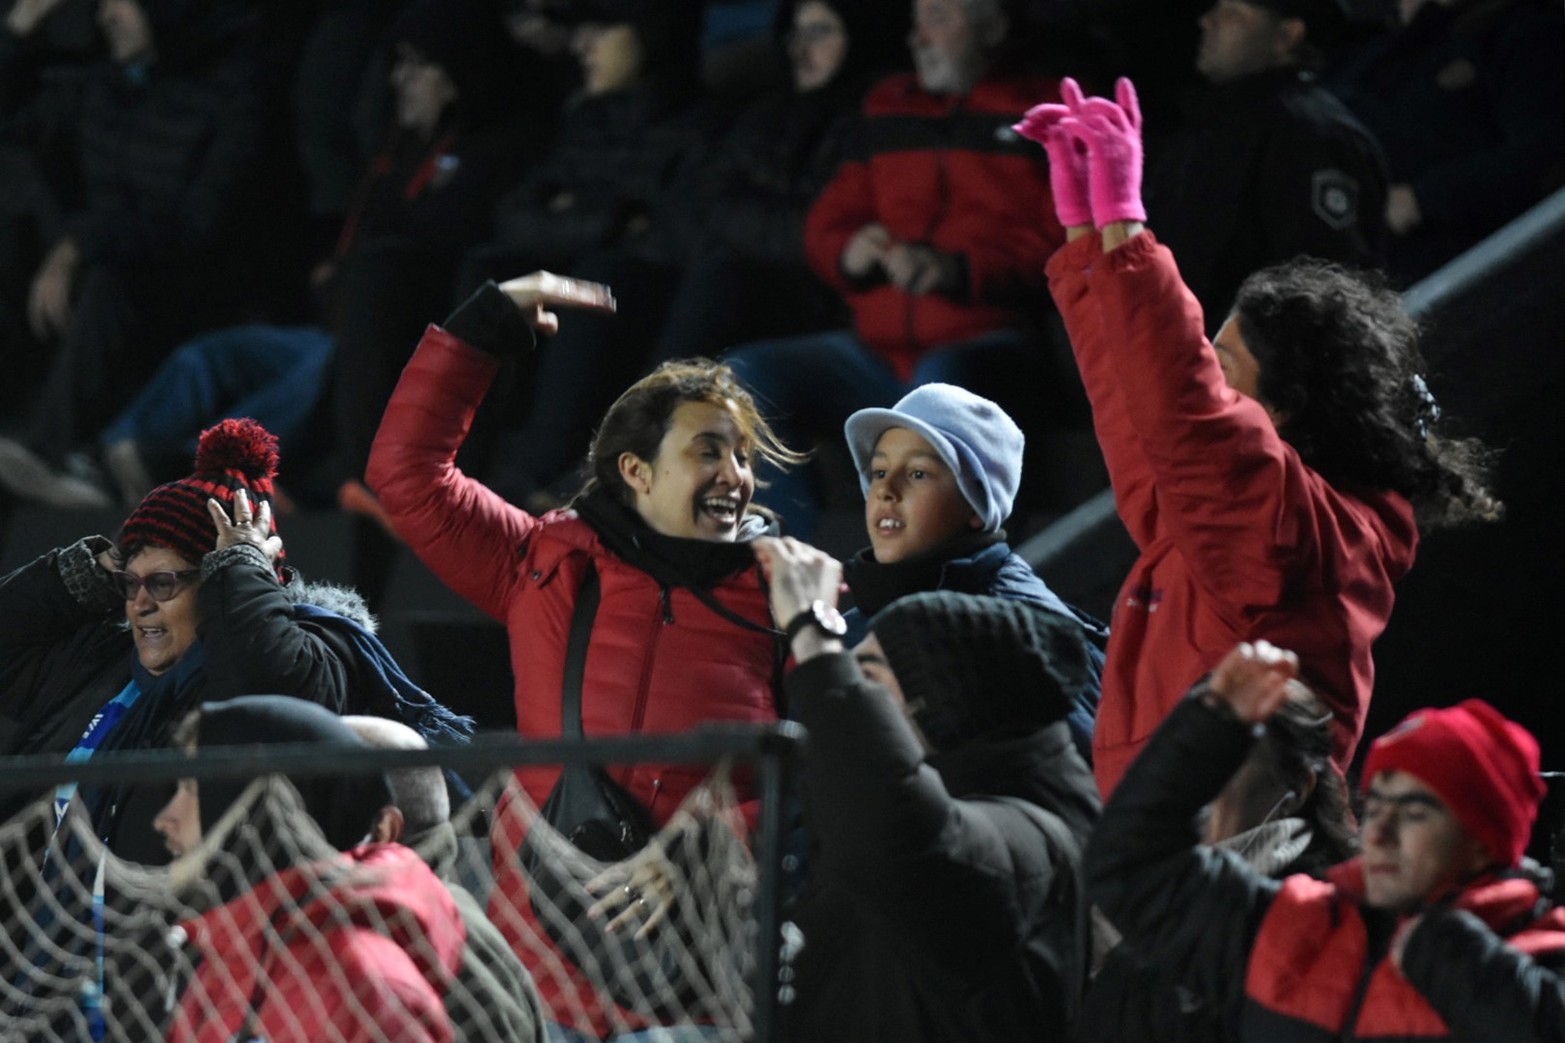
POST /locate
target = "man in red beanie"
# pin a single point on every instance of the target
(1439, 931)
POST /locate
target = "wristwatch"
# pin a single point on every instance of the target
(823, 617)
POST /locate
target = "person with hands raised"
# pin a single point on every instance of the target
(652, 558)
(1274, 479)
(108, 643)
(1438, 931)
(948, 807)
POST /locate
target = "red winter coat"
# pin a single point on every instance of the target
(1239, 539)
(1313, 975)
(946, 171)
(378, 976)
(659, 660)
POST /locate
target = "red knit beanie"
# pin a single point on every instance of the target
(1482, 766)
(234, 455)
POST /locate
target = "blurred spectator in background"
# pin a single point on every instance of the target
(355, 941)
(949, 809)
(451, 147)
(600, 206)
(1438, 932)
(733, 266)
(1465, 97)
(493, 996)
(1266, 165)
(157, 246)
(1286, 810)
(928, 231)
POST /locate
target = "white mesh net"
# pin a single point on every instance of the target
(264, 932)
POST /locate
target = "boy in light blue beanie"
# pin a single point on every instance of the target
(940, 472)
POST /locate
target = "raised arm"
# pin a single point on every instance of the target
(1134, 492)
(466, 533)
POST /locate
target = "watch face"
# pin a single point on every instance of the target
(828, 619)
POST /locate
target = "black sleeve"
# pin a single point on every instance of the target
(888, 829)
(253, 644)
(490, 321)
(1176, 900)
(1482, 987)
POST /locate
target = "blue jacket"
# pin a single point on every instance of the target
(997, 571)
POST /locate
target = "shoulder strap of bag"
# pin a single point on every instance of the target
(582, 618)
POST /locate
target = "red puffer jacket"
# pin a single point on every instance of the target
(368, 959)
(1239, 539)
(946, 171)
(659, 660)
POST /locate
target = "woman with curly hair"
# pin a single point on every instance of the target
(1274, 479)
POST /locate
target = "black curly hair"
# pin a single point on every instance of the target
(1340, 363)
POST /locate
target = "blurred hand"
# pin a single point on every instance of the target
(1402, 212)
(866, 251)
(248, 526)
(919, 269)
(639, 891)
(49, 301)
(1252, 680)
(26, 14)
(535, 294)
(798, 574)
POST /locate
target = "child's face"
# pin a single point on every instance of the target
(914, 504)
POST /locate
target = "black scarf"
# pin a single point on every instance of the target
(876, 585)
(674, 561)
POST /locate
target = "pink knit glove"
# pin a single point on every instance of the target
(1067, 156)
(1112, 134)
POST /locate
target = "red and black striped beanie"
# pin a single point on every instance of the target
(235, 454)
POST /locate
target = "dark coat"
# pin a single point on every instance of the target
(994, 570)
(63, 657)
(1303, 959)
(1265, 169)
(615, 157)
(944, 898)
(1466, 101)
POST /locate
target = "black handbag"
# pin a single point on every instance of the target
(605, 821)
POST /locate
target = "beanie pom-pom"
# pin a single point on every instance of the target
(241, 445)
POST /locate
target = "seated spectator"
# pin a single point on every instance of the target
(493, 997)
(1285, 811)
(169, 134)
(600, 204)
(107, 644)
(1274, 480)
(359, 945)
(652, 562)
(1266, 165)
(735, 269)
(423, 195)
(949, 810)
(1438, 931)
(1465, 97)
(928, 231)
(940, 471)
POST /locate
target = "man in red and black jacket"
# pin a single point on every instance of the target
(929, 230)
(1439, 931)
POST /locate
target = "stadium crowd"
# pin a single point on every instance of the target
(944, 252)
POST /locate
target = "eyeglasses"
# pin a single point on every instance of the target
(161, 585)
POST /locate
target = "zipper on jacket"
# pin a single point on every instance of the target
(666, 596)
(1350, 1026)
(637, 718)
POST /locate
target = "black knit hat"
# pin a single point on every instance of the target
(972, 665)
(344, 806)
(234, 455)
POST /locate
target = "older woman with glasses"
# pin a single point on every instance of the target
(107, 644)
